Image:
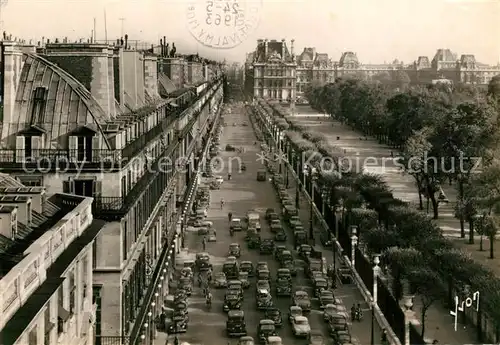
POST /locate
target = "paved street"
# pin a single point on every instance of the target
(439, 323)
(242, 193)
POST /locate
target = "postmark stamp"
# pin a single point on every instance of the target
(223, 24)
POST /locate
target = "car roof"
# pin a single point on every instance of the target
(283, 270)
(246, 262)
(234, 244)
(234, 282)
(295, 307)
(320, 279)
(263, 291)
(236, 219)
(286, 251)
(266, 322)
(301, 318)
(236, 313)
(274, 338)
(246, 337)
(300, 292)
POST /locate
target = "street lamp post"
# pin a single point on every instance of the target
(376, 270)
(311, 172)
(354, 242)
(338, 214)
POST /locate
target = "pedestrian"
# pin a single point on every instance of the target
(221, 203)
(204, 243)
(228, 176)
(230, 216)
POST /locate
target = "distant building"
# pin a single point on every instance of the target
(46, 266)
(315, 68)
(271, 71)
(124, 127)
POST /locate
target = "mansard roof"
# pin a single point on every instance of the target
(348, 58)
(445, 55)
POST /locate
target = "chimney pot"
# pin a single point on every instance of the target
(48, 40)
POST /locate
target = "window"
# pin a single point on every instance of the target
(124, 186)
(38, 110)
(33, 336)
(28, 146)
(125, 240)
(31, 181)
(94, 254)
(84, 148)
(72, 294)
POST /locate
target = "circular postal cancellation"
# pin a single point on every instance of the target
(223, 24)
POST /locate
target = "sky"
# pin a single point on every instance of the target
(377, 30)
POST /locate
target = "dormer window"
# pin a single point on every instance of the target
(81, 143)
(38, 110)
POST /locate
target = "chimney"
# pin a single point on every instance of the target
(266, 47)
(161, 47)
(292, 48)
(283, 50)
(126, 41)
(151, 75)
(8, 221)
(22, 204)
(165, 52)
(12, 57)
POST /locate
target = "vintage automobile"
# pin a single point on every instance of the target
(275, 225)
(253, 220)
(275, 315)
(300, 326)
(291, 266)
(280, 235)
(266, 246)
(230, 269)
(304, 251)
(329, 311)
(247, 266)
(269, 214)
(189, 264)
(299, 238)
(180, 296)
(234, 250)
(203, 261)
(186, 272)
(284, 273)
(179, 324)
(211, 236)
(236, 224)
(337, 323)
(278, 252)
(262, 285)
(326, 297)
(231, 301)
(316, 338)
(246, 340)
(274, 340)
(186, 284)
(301, 299)
(236, 286)
(293, 312)
(166, 318)
(342, 337)
(243, 278)
(261, 265)
(181, 308)
(252, 238)
(263, 275)
(220, 280)
(286, 256)
(261, 175)
(235, 324)
(319, 284)
(265, 329)
(264, 300)
(283, 287)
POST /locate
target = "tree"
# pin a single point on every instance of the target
(383, 78)
(402, 79)
(429, 288)
(494, 87)
(401, 262)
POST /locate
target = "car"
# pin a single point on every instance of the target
(264, 300)
(294, 311)
(261, 265)
(230, 269)
(316, 338)
(291, 266)
(280, 236)
(265, 330)
(202, 261)
(269, 211)
(320, 285)
(342, 337)
(236, 224)
(236, 286)
(218, 179)
(300, 326)
(234, 250)
(275, 315)
(263, 274)
(166, 319)
(329, 311)
(266, 246)
(243, 278)
(278, 250)
(179, 324)
(235, 324)
(220, 280)
(246, 340)
(284, 273)
(185, 284)
(326, 297)
(283, 287)
(247, 266)
(337, 323)
(262, 285)
(231, 301)
(305, 250)
(301, 299)
(274, 340)
(212, 237)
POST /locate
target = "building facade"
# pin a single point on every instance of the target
(107, 122)
(271, 71)
(46, 266)
(315, 68)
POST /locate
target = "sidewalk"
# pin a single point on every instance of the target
(439, 322)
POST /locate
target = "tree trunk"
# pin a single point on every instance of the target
(481, 243)
(492, 244)
(471, 231)
(435, 206)
(461, 197)
(424, 311)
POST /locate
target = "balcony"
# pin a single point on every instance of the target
(111, 340)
